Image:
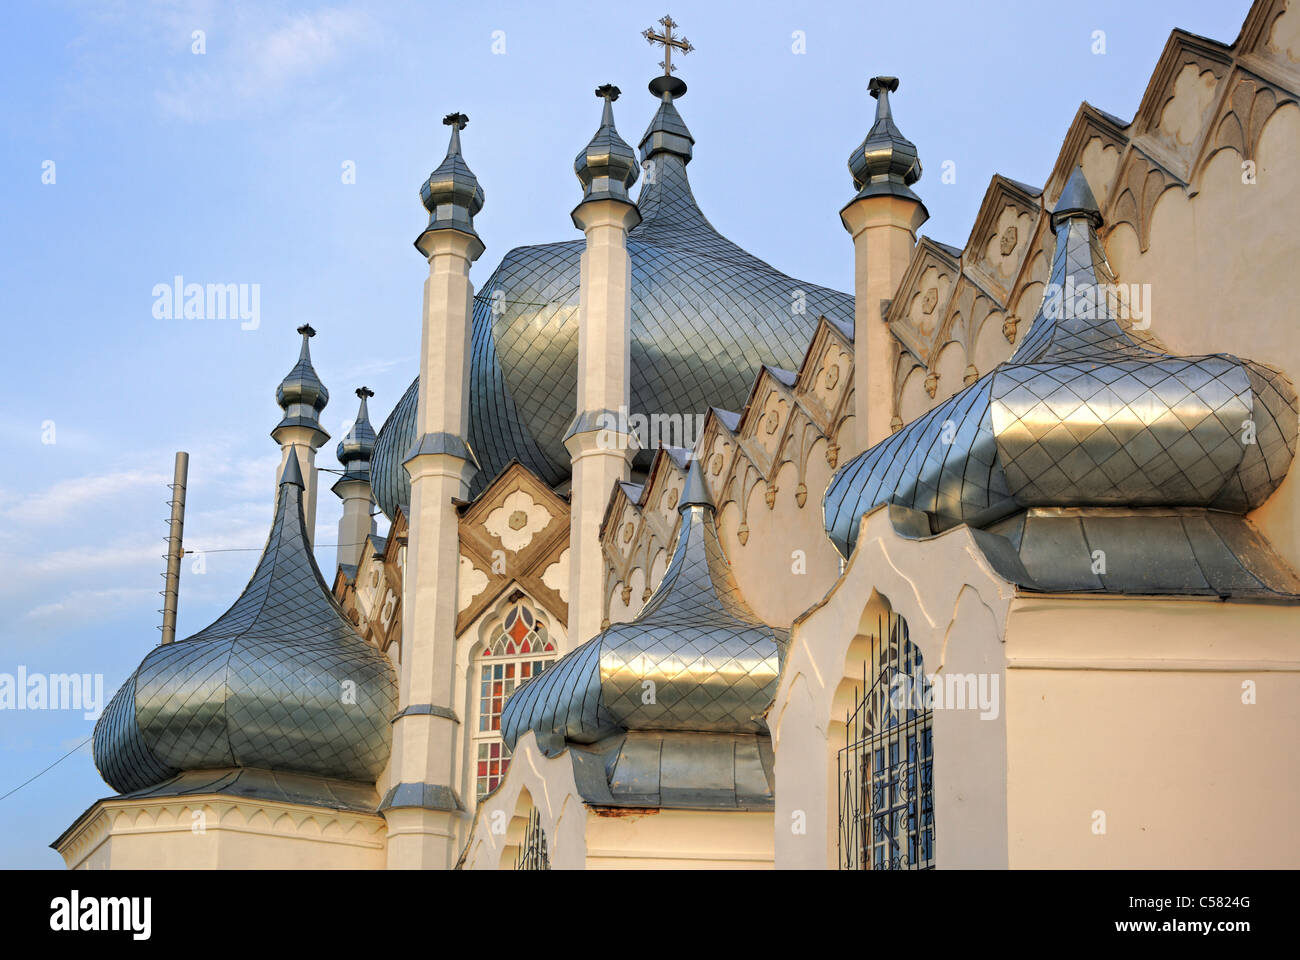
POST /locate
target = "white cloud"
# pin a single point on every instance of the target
(67, 497)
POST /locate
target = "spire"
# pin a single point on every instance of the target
(667, 132)
(259, 686)
(695, 493)
(885, 162)
(451, 194)
(607, 167)
(301, 395)
(291, 473)
(1077, 201)
(1076, 319)
(358, 445)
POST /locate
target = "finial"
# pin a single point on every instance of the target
(666, 86)
(885, 163)
(668, 41)
(357, 447)
(451, 194)
(1077, 200)
(301, 395)
(607, 166)
(878, 86)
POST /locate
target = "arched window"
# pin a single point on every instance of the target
(519, 651)
(886, 768)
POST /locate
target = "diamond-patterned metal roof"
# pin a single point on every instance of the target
(695, 658)
(1081, 415)
(279, 681)
(706, 315)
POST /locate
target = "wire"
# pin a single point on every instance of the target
(50, 767)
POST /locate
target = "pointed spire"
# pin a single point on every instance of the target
(885, 162)
(1076, 319)
(607, 167)
(451, 194)
(357, 447)
(292, 473)
(695, 493)
(1076, 200)
(301, 395)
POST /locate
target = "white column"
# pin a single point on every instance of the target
(426, 819)
(599, 446)
(884, 231)
(300, 439)
(357, 521)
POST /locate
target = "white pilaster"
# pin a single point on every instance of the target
(598, 444)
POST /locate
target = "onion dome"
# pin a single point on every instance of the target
(607, 167)
(706, 315)
(451, 194)
(886, 161)
(713, 663)
(1082, 415)
(358, 445)
(301, 395)
(281, 681)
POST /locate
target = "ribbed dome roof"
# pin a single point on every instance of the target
(1082, 415)
(713, 662)
(705, 316)
(280, 681)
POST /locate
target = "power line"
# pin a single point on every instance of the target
(50, 767)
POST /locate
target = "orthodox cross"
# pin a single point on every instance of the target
(669, 42)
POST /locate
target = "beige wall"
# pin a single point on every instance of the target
(1134, 708)
(1222, 269)
(580, 837)
(214, 832)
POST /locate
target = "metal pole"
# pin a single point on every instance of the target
(174, 548)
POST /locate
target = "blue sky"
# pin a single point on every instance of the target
(226, 167)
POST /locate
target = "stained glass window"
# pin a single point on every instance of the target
(520, 651)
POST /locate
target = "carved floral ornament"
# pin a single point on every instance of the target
(931, 383)
(1009, 327)
(517, 520)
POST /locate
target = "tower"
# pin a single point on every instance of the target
(302, 397)
(882, 219)
(423, 811)
(353, 488)
(598, 442)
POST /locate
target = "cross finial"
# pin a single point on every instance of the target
(668, 41)
(458, 120)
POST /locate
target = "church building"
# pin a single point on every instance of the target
(990, 562)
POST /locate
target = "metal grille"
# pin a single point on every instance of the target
(532, 852)
(886, 767)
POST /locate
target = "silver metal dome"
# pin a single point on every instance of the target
(885, 162)
(1082, 415)
(451, 194)
(358, 445)
(301, 395)
(280, 681)
(713, 662)
(607, 167)
(706, 315)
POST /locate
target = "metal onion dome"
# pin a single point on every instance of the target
(1083, 415)
(706, 315)
(713, 663)
(281, 681)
